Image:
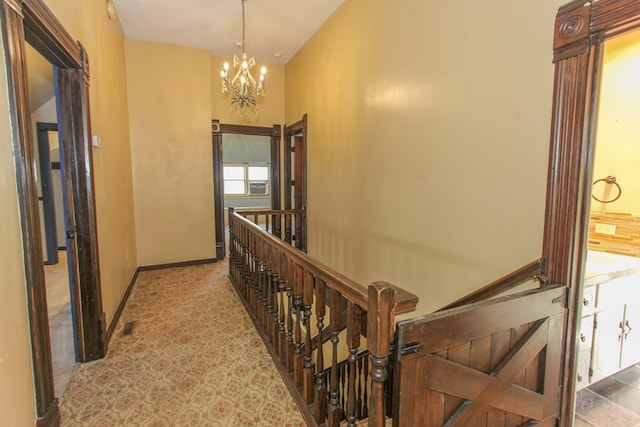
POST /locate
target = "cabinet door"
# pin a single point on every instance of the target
(607, 337)
(607, 342)
(631, 329)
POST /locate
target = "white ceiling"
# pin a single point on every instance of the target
(272, 26)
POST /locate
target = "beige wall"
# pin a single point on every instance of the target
(170, 113)
(104, 42)
(428, 140)
(617, 150)
(16, 384)
(270, 108)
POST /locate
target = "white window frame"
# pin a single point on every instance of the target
(247, 181)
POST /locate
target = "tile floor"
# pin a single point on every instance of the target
(614, 401)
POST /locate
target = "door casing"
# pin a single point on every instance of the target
(580, 30)
(30, 21)
(217, 130)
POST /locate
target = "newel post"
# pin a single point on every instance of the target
(380, 323)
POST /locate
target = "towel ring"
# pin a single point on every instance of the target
(609, 180)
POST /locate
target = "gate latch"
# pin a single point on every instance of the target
(412, 347)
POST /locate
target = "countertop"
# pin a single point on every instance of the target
(602, 267)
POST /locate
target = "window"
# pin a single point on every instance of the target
(245, 179)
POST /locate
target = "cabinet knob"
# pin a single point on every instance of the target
(585, 302)
(583, 338)
(579, 377)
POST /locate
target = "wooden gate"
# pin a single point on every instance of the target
(494, 363)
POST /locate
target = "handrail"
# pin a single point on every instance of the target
(524, 274)
(287, 294)
(404, 301)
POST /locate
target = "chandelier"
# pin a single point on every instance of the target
(242, 89)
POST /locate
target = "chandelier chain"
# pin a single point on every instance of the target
(243, 25)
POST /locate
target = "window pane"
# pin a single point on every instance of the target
(258, 173)
(234, 187)
(233, 172)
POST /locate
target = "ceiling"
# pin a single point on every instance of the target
(273, 27)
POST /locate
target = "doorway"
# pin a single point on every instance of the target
(246, 134)
(57, 274)
(581, 31)
(295, 179)
(29, 21)
(609, 348)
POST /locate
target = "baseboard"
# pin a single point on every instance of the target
(118, 313)
(52, 417)
(127, 293)
(178, 264)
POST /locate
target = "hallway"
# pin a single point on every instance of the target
(192, 358)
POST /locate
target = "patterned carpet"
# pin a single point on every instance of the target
(193, 358)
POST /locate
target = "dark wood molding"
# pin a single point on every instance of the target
(46, 34)
(123, 303)
(245, 130)
(218, 189)
(295, 177)
(51, 417)
(31, 21)
(580, 29)
(14, 49)
(78, 156)
(178, 264)
(217, 129)
(276, 137)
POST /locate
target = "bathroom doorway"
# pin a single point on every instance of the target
(607, 377)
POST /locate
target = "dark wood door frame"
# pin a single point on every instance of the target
(217, 129)
(30, 21)
(580, 30)
(295, 137)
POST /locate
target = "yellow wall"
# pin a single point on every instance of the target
(428, 140)
(270, 108)
(104, 42)
(16, 384)
(170, 113)
(618, 132)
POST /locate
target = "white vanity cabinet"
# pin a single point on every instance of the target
(608, 340)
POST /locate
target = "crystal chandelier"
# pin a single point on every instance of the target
(242, 89)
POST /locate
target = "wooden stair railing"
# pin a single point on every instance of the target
(291, 297)
(526, 273)
(280, 223)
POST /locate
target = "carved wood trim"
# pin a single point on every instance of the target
(580, 29)
(47, 35)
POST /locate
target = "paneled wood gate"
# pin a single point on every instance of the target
(494, 363)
